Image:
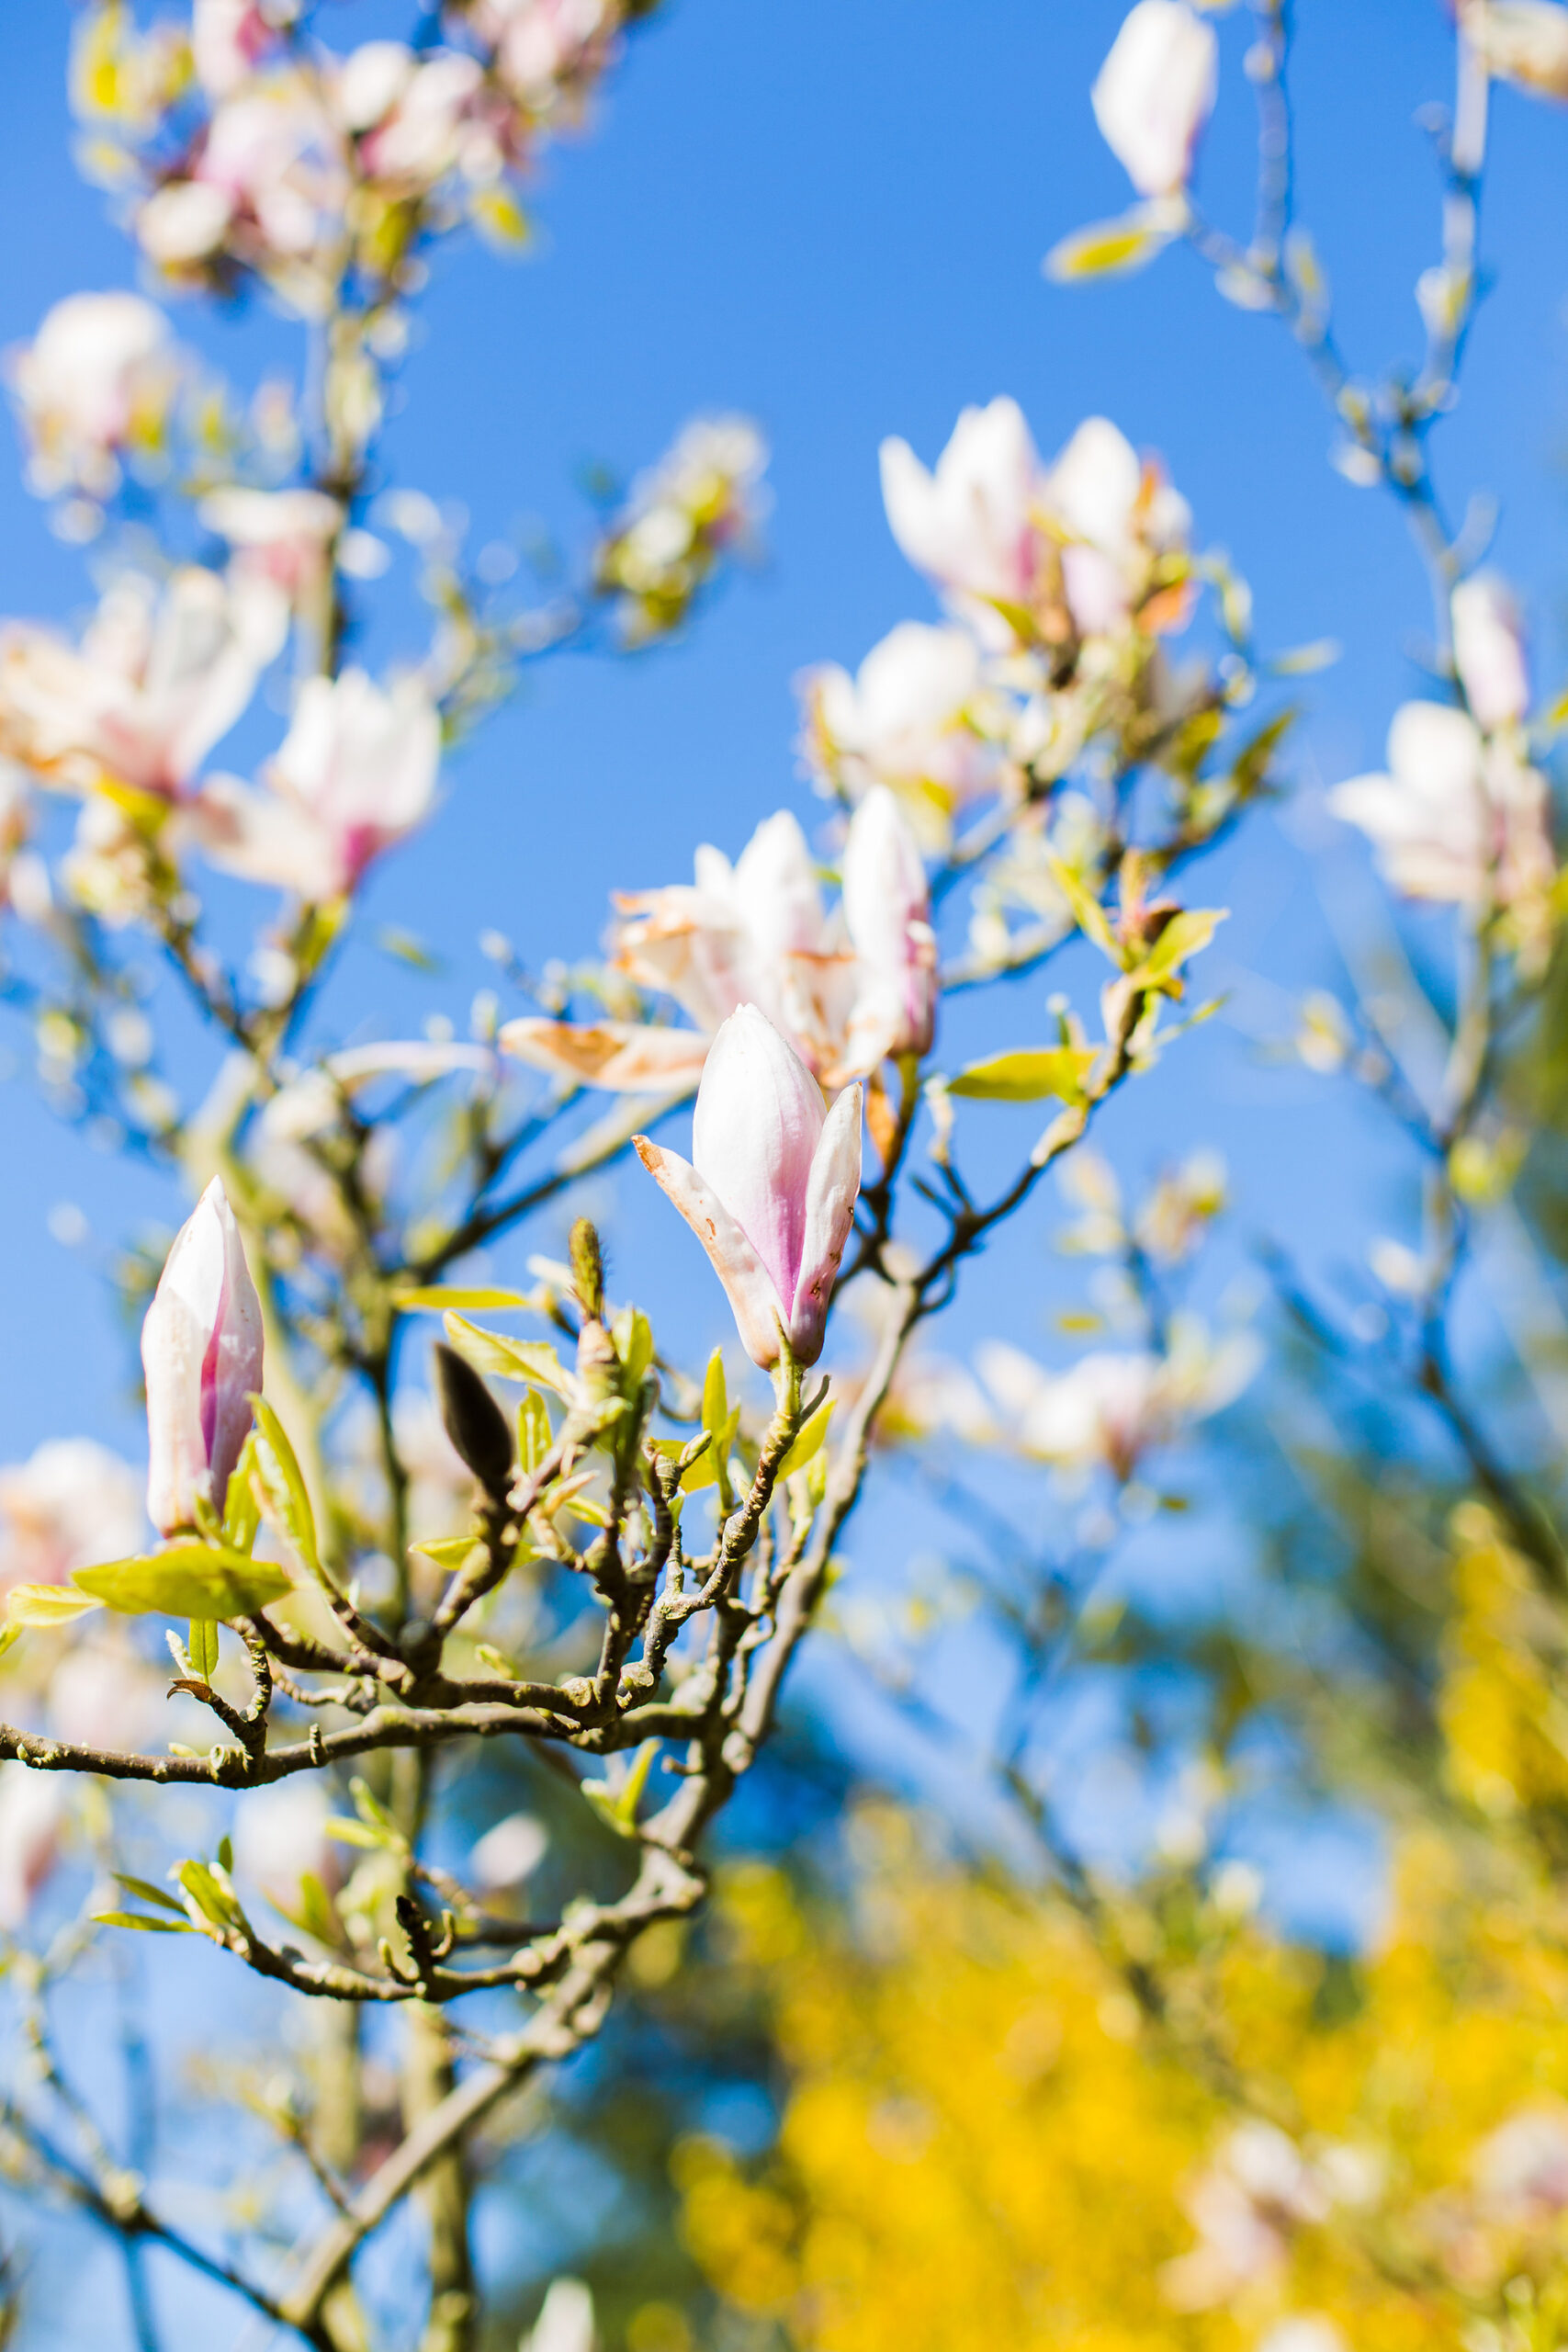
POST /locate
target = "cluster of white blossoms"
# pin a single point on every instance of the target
(255, 150)
(1461, 815)
(703, 500)
(1060, 579)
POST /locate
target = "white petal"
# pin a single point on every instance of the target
(832, 1194)
(758, 1314)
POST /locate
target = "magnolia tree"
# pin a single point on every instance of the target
(377, 1553)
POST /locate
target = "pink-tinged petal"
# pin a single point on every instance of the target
(621, 1057)
(758, 1117)
(759, 1314)
(1489, 650)
(831, 1192)
(887, 910)
(776, 893)
(201, 1353)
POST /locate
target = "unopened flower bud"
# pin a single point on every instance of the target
(201, 1353)
(473, 1420)
(588, 1268)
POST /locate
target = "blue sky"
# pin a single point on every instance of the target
(833, 218)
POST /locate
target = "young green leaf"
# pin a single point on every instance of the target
(440, 1301)
(493, 1352)
(186, 1581)
(448, 1552)
(534, 1437)
(1109, 248)
(715, 1394)
(284, 1497)
(809, 1441)
(1184, 936)
(616, 1808)
(148, 1893)
(1027, 1075)
(46, 1604)
(148, 1926)
(202, 1647)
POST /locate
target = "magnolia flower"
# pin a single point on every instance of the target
(1155, 92)
(1111, 1409)
(409, 114)
(973, 526)
(1305, 2332)
(1454, 818)
(1112, 514)
(544, 45)
(771, 1187)
(566, 2320)
(103, 1693)
(159, 676)
(97, 377)
(755, 933)
(1489, 650)
(1522, 2169)
(71, 1503)
(1523, 42)
(227, 36)
(268, 183)
(1259, 2189)
(280, 1833)
(281, 536)
(701, 497)
(32, 1805)
(509, 1852)
(887, 911)
(201, 1353)
(356, 772)
(902, 721)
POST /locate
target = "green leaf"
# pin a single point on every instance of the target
(1184, 935)
(212, 1896)
(534, 1437)
(633, 1336)
(493, 1352)
(148, 1926)
(715, 1394)
(449, 1552)
(1301, 661)
(242, 1510)
(617, 1807)
(186, 1581)
(704, 1471)
(315, 1914)
(10, 1636)
(285, 1497)
(355, 1833)
(148, 1893)
(202, 1647)
(440, 1301)
(809, 1441)
(46, 1604)
(1028, 1075)
(1108, 248)
(1087, 913)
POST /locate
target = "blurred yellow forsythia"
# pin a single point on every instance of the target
(989, 2145)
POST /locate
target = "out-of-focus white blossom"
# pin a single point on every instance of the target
(1521, 2171)
(1522, 41)
(1489, 650)
(267, 185)
(356, 772)
(1454, 818)
(281, 536)
(410, 116)
(566, 2320)
(546, 51)
(756, 932)
(904, 720)
(1155, 92)
(160, 674)
(228, 37)
(973, 524)
(32, 1808)
(72, 1503)
(103, 1693)
(509, 1853)
(96, 380)
(1305, 2332)
(280, 1834)
(1112, 515)
(1111, 1408)
(770, 1190)
(1246, 2204)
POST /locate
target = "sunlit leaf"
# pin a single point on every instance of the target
(202, 1647)
(1184, 935)
(148, 1926)
(438, 1300)
(493, 1352)
(1109, 248)
(617, 1807)
(186, 1581)
(281, 1483)
(809, 1441)
(47, 1605)
(1028, 1075)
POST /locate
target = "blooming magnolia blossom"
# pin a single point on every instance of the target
(1521, 2170)
(268, 183)
(1155, 92)
(201, 1353)
(544, 47)
(846, 991)
(226, 39)
(103, 1693)
(413, 117)
(1489, 650)
(1523, 42)
(356, 772)
(1259, 2189)
(566, 2319)
(97, 377)
(902, 721)
(1454, 818)
(1112, 1408)
(704, 496)
(71, 1503)
(160, 674)
(771, 1187)
(1015, 545)
(280, 1833)
(281, 536)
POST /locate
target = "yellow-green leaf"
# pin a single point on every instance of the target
(534, 1433)
(1107, 248)
(617, 1807)
(1087, 913)
(1028, 1075)
(186, 1581)
(281, 1485)
(504, 1358)
(241, 1510)
(439, 1301)
(809, 1441)
(46, 1604)
(715, 1394)
(1184, 935)
(148, 1926)
(449, 1552)
(202, 1647)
